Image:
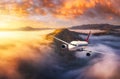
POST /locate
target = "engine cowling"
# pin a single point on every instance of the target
(64, 46)
(88, 54)
(83, 54)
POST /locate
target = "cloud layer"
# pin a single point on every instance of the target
(29, 55)
(63, 8)
(63, 11)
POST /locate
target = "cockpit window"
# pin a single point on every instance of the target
(81, 45)
(74, 44)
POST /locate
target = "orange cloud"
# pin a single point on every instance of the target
(60, 8)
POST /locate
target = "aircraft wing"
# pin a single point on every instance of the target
(64, 41)
(61, 40)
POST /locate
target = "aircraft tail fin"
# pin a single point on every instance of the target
(87, 39)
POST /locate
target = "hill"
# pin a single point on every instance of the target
(106, 28)
(97, 26)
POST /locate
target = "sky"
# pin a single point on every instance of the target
(58, 13)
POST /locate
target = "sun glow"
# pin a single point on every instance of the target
(8, 22)
(11, 22)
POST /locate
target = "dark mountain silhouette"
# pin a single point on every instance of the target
(28, 28)
(107, 28)
(97, 26)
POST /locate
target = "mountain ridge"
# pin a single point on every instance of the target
(96, 26)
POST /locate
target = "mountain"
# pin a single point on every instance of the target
(97, 26)
(28, 28)
(107, 28)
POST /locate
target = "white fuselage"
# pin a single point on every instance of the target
(77, 45)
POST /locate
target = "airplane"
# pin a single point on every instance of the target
(76, 45)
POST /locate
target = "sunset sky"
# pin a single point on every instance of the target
(26, 52)
(58, 13)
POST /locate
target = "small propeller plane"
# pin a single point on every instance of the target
(76, 45)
